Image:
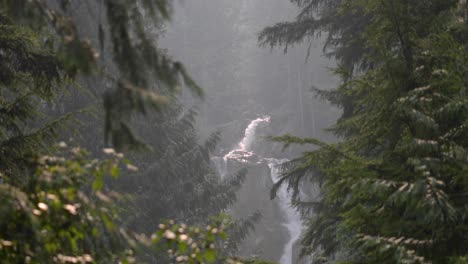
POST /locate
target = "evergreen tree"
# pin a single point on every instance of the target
(393, 189)
(343, 30)
(176, 180)
(55, 212)
(341, 26)
(32, 77)
(141, 72)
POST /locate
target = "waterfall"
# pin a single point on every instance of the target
(249, 137)
(294, 223)
(221, 166)
(243, 150)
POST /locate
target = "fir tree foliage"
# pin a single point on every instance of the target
(144, 74)
(393, 189)
(178, 173)
(31, 78)
(58, 207)
(177, 180)
(343, 28)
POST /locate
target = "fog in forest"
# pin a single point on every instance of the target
(234, 131)
(253, 92)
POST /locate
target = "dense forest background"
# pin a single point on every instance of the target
(117, 118)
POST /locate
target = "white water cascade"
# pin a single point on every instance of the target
(242, 153)
(293, 224)
(244, 149)
(221, 166)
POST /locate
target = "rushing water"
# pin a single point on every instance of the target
(293, 221)
(221, 166)
(247, 141)
(243, 150)
(241, 153)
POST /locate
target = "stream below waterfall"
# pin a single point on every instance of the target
(293, 221)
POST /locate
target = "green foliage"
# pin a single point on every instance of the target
(73, 216)
(459, 260)
(393, 190)
(146, 73)
(178, 173)
(49, 211)
(342, 27)
(251, 262)
(143, 75)
(55, 215)
(64, 214)
(30, 77)
(191, 244)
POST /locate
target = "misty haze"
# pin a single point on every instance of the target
(234, 131)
